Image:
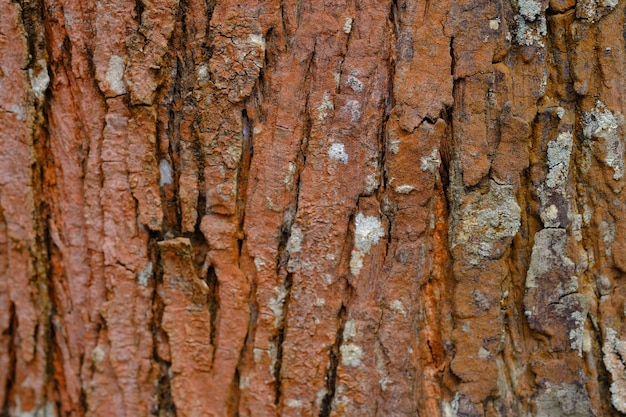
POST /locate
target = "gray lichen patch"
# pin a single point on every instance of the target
(593, 10)
(601, 128)
(564, 400)
(559, 153)
(487, 220)
(166, 173)
(557, 206)
(549, 253)
(614, 351)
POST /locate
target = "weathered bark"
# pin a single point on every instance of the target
(312, 208)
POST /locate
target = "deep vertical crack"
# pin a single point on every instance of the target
(333, 359)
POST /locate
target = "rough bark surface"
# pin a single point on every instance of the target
(312, 208)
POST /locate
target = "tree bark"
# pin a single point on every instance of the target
(312, 208)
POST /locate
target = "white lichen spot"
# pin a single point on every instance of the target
(353, 107)
(244, 382)
(166, 173)
(257, 354)
(18, 111)
(291, 171)
(257, 40)
(354, 83)
(276, 305)
(551, 213)
(351, 355)
(483, 353)
(294, 244)
(319, 397)
(450, 409)
(337, 151)
(328, 279)
(320, 302)
(394, 146)
(349, 330)
(371, 183)
(614, 350)
(97, 355)
(259, 264)
(559, 152)
(466, 327)
(404, 189)
(40, 81)
(494, 24)
(397, 306)
(203, 72)
(347, 26)
(144, 275)
(430, 163)
(368, 231)
(257, 130)
(47, 410)
(294, 403)
(560, 112)
(600, 125)
(325, 107)
(115, 75)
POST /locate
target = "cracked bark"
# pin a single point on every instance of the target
(312, 208)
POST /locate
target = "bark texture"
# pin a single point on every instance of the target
(312, 208)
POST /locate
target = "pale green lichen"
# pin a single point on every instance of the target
(529, 9)
(530, 34)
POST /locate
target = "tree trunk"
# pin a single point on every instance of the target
(312, 208)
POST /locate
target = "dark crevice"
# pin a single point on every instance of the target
(166, 406)
(334, 356)
(247, 152)
(213, 302)
(453, 59)
(11, 330)
(280, 338)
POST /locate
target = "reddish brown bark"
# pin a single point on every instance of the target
(312, 208)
